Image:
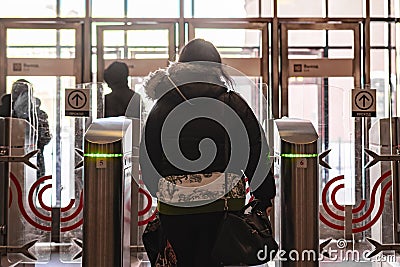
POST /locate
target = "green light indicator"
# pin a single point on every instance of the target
(103, 155)
(299, 155)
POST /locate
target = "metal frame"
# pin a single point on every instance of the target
(100, 41)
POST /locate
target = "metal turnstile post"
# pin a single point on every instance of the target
(107, 174)
(296, 203)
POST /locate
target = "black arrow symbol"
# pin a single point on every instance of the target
(77, 97)
(364, 98)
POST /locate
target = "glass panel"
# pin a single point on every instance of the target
(31, 37)
(341, 53)
(344, 8)
(267, 8)
(379, 33)
(233, 42)
(380, 82)
(72, 131)
(379, 8)
(72, 8)
(188, 12)
(41, 43)
(303, 100)
(31, 131)
(393, 33)
(309, 38)
(341, 134)
(113, 38)
(28, 9)
(341, 38)
(301, 8)
(103, 9)
(67, 42)
(252, 8)
(220, 9)
(148, 43)
(67, 37)
(31, 43)
(395, 8)
(33, 52)
(145, 9)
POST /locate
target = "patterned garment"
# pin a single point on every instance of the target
(200, 187)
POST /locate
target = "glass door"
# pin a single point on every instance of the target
(46, 205)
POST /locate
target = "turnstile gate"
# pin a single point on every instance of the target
(107, 187)
(296, 203)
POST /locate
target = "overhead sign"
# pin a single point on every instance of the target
(323, 67)
(40, 67)
(363, 102)
(77, 102)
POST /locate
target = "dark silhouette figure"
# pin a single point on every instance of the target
(5, 107)
(116, 103)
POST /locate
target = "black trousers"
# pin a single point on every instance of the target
(192, 237)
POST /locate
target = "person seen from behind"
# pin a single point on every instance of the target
(116, 102)
(198, 76)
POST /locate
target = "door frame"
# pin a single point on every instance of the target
(56, 25)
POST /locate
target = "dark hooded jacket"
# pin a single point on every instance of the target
(172, 87)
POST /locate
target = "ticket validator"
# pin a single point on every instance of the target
(296, 203)
(107, 187)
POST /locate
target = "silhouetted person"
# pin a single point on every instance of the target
(116, 103)
(5, 107)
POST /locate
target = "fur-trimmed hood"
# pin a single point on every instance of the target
(158, 83)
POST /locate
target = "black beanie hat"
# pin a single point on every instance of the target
(116, 73)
